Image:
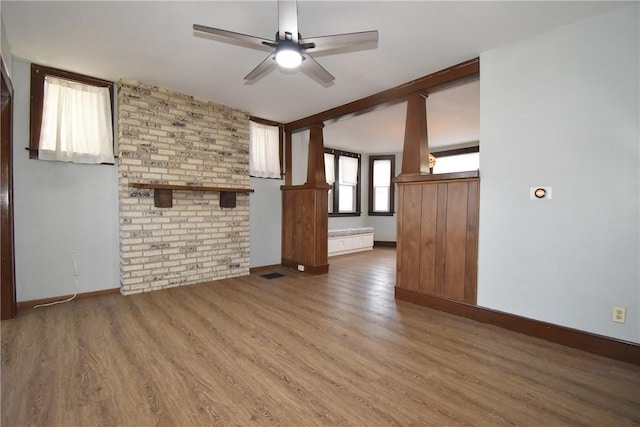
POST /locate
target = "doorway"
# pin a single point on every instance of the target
(8, 306)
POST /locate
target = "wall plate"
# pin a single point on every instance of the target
(541, 192)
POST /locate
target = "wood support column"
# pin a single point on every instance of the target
(415, 155)
(437, 239)
(305, 213)
(315, 161)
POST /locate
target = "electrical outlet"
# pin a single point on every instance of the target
(619, 314)
(300, 267)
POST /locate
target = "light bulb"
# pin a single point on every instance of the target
(288, 58)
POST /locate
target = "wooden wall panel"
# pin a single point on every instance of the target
(456, 240)
(304, 228)
(409, 252)
(438, 237)
(429, 215)
(441, 241)
(321, 227)
(287, 232)
(399, 242)
(471, 261)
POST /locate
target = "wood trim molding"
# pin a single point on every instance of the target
(417, 177)
(265, 121)
(392, 197)
(8, 305)
(604, 346)
(253, 270)
(310, 269)
(456, 151)
(34, 302)
(460, 73)
(38, 73)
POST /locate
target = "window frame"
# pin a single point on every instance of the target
(280, 139)
(38, 74)
(372, 159)
(454, 152)
(335, 186)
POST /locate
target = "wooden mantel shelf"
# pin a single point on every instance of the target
(163, 193)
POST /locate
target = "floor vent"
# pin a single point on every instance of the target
(270, 276)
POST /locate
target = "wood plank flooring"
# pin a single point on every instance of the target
(334, 349)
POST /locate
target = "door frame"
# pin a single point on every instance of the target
(8, 305)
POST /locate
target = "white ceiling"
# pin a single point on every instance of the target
(453, 119)
(153, 42)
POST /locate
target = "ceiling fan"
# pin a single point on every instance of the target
(291, 50)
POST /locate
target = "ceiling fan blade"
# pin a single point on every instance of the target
(341, 40)
(251, 41)
(264, 67)
(312, 67)
(288, 19)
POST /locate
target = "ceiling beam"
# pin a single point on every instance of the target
(465, 71)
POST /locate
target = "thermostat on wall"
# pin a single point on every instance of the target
(540, 193)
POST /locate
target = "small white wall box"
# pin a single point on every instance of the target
(540, 193)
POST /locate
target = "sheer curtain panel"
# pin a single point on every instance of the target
(348, 179)
(348, 170)
(76, 123)
(264, 151)
(329, 168)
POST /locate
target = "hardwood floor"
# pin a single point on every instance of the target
(333, 349)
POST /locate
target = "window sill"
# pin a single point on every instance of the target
(382, 213)
(33, 155)
(340, 214)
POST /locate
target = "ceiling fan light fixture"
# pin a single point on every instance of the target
(288, 55)
(291, 50)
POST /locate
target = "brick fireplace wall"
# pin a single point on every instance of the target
(170, 138)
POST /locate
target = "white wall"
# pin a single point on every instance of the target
(265, 221)
(562, 109)
(299, 157)
(5, 47)
(60, 208)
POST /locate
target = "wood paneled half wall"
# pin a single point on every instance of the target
(438, 235)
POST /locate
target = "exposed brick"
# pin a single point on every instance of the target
(168, 137)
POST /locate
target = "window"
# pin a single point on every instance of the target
(342, 170)
(381, 195)
(458, 160)
(264, 149)
(71, 117)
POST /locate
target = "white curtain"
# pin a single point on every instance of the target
(348, 170)
(381, 173)
(76, 122)
(264, 151)
(329, 168)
